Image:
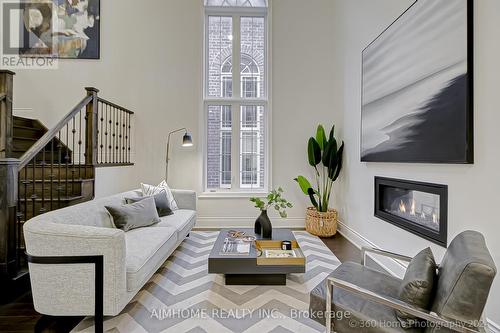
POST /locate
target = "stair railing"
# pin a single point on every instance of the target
(95, 133)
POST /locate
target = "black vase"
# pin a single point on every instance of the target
(263, 225)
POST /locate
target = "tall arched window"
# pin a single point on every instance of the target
(236, 99)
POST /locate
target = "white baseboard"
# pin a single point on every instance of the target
(392, 266)
(207, 222)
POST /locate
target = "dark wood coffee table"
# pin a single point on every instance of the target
(251, 269)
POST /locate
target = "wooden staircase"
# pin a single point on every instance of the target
(51, 183)
(44, 169)
(27, 132)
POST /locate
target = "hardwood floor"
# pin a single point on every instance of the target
(20, 316)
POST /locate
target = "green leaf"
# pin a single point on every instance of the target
(340, 152)
(311, 194)
(313, 152)
(304, 184)
(321, 137)
(332, 133)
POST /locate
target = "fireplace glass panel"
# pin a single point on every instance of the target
(417, 207)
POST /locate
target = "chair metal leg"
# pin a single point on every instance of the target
(328, 314)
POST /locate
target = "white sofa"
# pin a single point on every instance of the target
(130, 258)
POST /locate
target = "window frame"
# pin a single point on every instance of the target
(236, 101)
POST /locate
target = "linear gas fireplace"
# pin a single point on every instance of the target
(420, 208)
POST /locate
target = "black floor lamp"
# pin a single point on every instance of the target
(187, 141)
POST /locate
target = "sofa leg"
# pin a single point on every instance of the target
(99, 324)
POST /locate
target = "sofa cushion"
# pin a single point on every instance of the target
(137, 215)
(364, 316)
(417, 286)
(161, 202)
(146, 251)
(148, 190)
(181, 219)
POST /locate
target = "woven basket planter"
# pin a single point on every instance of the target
(321, 224)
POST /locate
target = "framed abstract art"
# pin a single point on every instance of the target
(65, 29)
(417, 87)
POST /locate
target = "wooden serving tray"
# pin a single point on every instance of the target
(263, 245)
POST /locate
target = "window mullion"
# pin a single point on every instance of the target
(235, 147)
(236, 56)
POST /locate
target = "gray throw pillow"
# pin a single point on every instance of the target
(161, 203)
(417, 286)
(136, 215)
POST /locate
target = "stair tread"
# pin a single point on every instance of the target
(25, 138)
(63, 198)
(34, 128)
(64, 181)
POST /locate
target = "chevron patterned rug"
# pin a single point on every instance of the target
(183, 297)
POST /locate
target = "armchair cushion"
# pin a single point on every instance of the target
(363, 315)
(417, 286)
(465, 277)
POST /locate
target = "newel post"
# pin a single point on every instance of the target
(91, 128)
(8, 178)
(9, 170)
(6, 119)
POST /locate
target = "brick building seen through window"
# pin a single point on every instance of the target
(236, 102)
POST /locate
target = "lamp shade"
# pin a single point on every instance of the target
(187, 140)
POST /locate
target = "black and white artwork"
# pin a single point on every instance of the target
(417, 87)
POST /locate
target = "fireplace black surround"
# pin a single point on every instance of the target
(420, 208)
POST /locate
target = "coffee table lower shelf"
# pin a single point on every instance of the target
(255, 279)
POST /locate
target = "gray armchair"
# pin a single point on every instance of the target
(357, 298)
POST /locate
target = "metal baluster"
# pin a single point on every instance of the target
(26, 182)
(73, 169)
(124, 117)
(59, 160)
(42, 208)
(19, 219)
(66, 162)
(80, 148)
(106, 154)
(110, 152)
(126, 138)
(52, 174)
(120, 137)
(33, 194)
(129, 137)
(117, 129)
(114, 133)
(102, 131)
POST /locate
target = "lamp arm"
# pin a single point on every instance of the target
(168, 148)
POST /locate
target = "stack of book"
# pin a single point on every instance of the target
(235, 247)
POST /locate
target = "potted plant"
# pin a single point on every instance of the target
(274, 200)
(325, 156)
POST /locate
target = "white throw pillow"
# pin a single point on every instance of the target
(151, 190)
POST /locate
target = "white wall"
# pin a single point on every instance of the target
(473, 189)
(151, 62)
